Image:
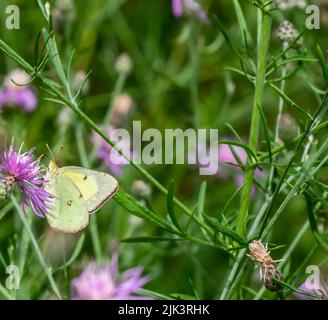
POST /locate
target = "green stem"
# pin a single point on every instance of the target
(23, 248)
(36, 248)
(281, 100)
(277, 129)
(265, 31)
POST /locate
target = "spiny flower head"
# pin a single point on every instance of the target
(288, 33)
(17, 168)
(190, 7)
(259, 253)
(103, 282)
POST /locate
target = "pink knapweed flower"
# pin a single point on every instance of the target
(14, 93)
(189, 7)
(17, 168)
(321, 291)
(228, 163)
(103, 282)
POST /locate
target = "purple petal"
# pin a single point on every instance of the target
(177, 8)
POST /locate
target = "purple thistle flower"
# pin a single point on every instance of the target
(227, 164)
(106, 153)
(189, 7)
(14, 95)
(19, 169)
(103, 282)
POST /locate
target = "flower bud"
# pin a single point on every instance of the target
(123, 64)
(65, 117)
(288, 33)
(64, 14)
(269, 272)
(79, 80)
(122, 106)
(6, 187)
(16, 78)
(141, 190)
(288, 4)
(288, 128)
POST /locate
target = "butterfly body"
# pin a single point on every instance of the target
(78, 192)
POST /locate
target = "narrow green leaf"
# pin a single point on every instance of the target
(154, 294)
(53, 51)
(266, 132)
(170, 205)
(241, 22)
(201, 198)
(136, 208)
(219, 24)
(313, 223)
(5, 210)
(36, 49)
(241, 72)
(182, 296)
(217, 226)
(323, 64)
(149, 239)
(230, 200)
(233, 130)
(250, 153)
(289, 101)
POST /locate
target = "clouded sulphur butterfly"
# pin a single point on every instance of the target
(78, 192)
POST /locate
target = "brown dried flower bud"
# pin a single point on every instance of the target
(259, 253)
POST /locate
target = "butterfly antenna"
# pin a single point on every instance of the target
(52, 155)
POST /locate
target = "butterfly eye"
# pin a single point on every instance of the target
(69, 202)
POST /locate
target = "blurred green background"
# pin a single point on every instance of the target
(162, 49)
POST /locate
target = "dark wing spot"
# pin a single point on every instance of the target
(69, 202)
(85, 177)
(81, 196)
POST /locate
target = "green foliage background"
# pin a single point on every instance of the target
(163, 50)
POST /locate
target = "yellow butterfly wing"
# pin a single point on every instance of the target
(68, 212)
(96, 187)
